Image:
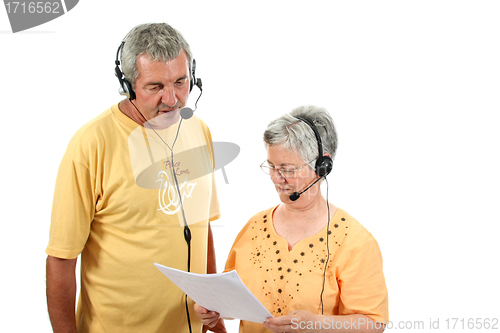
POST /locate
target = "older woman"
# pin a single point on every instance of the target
(312, 265)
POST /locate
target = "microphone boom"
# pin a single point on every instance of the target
(296, 195)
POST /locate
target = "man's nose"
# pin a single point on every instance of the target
(168, 97)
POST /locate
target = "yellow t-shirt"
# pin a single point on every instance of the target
(285, 281)
(115, 202)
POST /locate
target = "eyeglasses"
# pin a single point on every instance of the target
(285, 173)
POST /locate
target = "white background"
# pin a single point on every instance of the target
(413, 87)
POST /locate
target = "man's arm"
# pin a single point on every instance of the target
(211, 263)
(61, 294)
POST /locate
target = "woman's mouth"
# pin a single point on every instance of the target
(283, 189)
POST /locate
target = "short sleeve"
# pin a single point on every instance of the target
(361, 280)
(72, 210)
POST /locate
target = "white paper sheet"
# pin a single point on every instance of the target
(224, 293)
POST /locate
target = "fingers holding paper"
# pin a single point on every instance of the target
(208, 318)
(289, 323)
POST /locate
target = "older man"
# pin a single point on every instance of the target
(135, 187)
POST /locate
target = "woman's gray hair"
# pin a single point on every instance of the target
(159, 41)
(295, 135)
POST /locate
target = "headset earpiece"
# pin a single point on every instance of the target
(194, 81)
(324, 166)
(126, 89)
(125, 85)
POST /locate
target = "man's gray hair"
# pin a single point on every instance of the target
(295, 135)
(159, 41)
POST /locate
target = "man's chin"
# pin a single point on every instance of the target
(165, 119)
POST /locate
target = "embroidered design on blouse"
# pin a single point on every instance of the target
(283, 272)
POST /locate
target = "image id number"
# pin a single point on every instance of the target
(472, 323)
(39, 7)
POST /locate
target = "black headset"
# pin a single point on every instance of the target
(126, 87)
(324, 164)
(323, 167)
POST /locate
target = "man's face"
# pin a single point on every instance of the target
(162, 88)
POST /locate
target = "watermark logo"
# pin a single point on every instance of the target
(180, 164)
(225, 153)
(24, 14)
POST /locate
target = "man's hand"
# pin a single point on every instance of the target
(211, 320)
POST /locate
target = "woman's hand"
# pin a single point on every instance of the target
(291, 322)
(208, 318)
(304, 321)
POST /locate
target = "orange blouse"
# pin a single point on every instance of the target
(285, 281)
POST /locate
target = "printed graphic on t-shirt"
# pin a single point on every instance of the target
(180, 170)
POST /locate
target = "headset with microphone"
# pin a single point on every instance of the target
(323, 164)
(186, 113)
(323, 167)
(127, 90)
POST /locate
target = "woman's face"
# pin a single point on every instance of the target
(282, 158)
